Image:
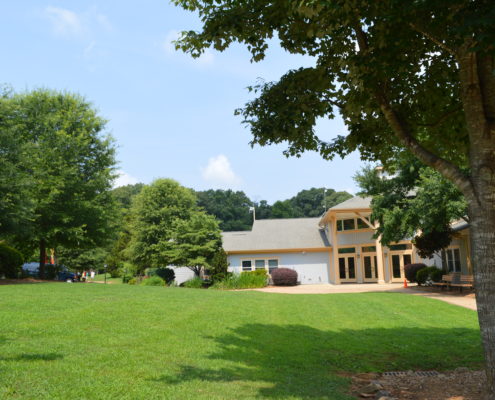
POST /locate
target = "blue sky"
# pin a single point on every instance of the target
(171, 115)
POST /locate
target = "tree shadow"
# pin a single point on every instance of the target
(303, 362)
(33, 357)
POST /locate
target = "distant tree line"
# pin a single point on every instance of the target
(232, 208)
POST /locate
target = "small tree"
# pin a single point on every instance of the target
(194, 242)
(219, 266)
(154, 212)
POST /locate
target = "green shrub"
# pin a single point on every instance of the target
(436, 274)
(410, 271)
(153, 281)
(245, 280)
(10, 261)
(133, 281)
(428, 275)
(284, 277)
(258, 272)
(422, 276)
(167, 274)
(194, 283)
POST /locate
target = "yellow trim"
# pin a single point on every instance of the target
(366, 221)
(269, 251)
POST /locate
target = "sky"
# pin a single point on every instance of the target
(171, 115)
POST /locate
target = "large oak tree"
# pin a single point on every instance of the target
(415, 75)
(69, 161)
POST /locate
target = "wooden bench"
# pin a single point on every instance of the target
(465, 281)
(446, 281)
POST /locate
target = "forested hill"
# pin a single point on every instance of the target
(232, 208)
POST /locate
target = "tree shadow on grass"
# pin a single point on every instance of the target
(303, 362)
(33, 357)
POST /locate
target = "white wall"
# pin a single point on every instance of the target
(182, 274)
(312, 268)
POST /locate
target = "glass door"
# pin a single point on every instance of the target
(396, 263)
(347, 269)
(369, 268)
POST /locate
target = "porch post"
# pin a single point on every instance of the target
(333, 221)
(379, 258)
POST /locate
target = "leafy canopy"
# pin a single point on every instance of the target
(413, 201)
(387, 67)
(168, 228)
(65, 166)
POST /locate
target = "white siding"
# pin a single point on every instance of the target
(182, 274)
(311, 267)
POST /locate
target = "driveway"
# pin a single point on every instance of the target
(465, 299)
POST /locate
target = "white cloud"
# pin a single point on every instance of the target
(206, 59)
(219, 172)
(64, 22)
(67, 23)
(123, 179)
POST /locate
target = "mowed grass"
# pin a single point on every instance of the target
(91, 341)
(101, 278)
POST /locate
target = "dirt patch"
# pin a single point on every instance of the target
(460, 384)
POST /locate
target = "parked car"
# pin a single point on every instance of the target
(67, 276)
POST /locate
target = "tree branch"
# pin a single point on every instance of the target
(403, 133)
(442, 118)
(429, 36)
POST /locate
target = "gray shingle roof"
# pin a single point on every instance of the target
(354, 202)
(272, 234)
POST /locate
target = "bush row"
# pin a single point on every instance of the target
(421, 274)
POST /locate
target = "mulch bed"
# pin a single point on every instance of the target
(460, 384)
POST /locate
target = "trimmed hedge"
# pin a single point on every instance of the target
(428, 274)
(284, 277)
(167, 274)
(410, 271)
(10, 261)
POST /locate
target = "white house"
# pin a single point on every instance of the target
(337, 248)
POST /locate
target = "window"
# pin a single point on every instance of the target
(246, 265)
(397, 247)
(347, 250)
(272, 264)
(259, 263)
(452, 258)
(369, 249)
(361, 224)
(349, 224)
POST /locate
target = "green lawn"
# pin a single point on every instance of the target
(101, 278)
(75, 341)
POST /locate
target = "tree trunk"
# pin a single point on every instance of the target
(478, 98)
(482, 237)
(41, 270)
